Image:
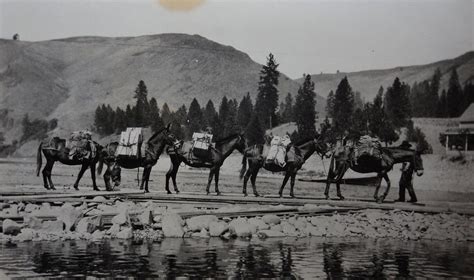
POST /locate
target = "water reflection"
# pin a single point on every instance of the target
(287, 258)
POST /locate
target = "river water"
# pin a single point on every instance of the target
(290, 258)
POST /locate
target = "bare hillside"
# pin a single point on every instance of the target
(368, 82)
(68, 78)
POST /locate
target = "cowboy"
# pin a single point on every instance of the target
(406, 179)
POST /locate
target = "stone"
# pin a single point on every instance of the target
(242, 228)
(97, 235)
(32, 222)
(121, 219)
(125, 233)
(68, 215)
(99, 199)
(53, 226)
(11, 227)
(26, 234)
(217, 228)
(157, 219)
(146, 218)
(113, 230)
(276, 228)
(106, 208)
(89, 224)
(31, 207)
(261, 225)
(315, 231)
(172, 225)
(198, 223)
(204, 233)
(288, 229)
(270, 233)
(271, 219)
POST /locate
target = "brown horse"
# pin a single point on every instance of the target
(56, 150)
(341, 162)
(223, 149)
(154, 148)
(256, 161)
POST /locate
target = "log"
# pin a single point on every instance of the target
(69, 195)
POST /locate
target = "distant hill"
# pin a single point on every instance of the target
(67, 78)
(368, 82)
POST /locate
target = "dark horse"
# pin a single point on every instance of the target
(223, 148)
(341, 161)
(154, 148)
(56, 150)
(256, 160)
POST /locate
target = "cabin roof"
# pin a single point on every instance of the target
(468, 115)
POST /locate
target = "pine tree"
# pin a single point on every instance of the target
(130, 116)
(120, 120)
(156, 122)
(141, 106)
(166, 114)
(358, 101)
(343, 107)
(306, 112)
(110, 121)
(442, 108)
(468, 94)
(330, 104)
(288, 114)
(230, 124)
(195, 119)
(267, 98)
(211, 118)
(397, 104)
(432, 101)
(99, 120)
(245, 111)
(454, 96)
(254, 132)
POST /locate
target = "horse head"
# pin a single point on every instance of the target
(322, 147)
(241, 144)
(160, 139)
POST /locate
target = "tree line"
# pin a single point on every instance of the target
(230, 116)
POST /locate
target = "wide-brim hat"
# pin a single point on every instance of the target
(405, 145)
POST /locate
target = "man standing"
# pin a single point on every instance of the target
(406, 179)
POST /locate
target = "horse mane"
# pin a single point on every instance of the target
(219, 141)
(156, 134)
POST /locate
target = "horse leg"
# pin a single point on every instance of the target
(146, 178)
(216, 181)
(385, 176)
(209, 180)
(107, 178)
(285, 180)
(377, 188)
(292, 184)
(47, 172)
(340, 174)
(169, 174)
(253, 179)
(246, 179)
(94, 185)
(79, 176)
(173, 177)
(142, 183)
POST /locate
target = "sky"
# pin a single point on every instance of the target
(305, 36)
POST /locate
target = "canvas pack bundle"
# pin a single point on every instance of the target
(368, 146)
(277, 152)
(201, 143)
(130, 142)
(77, 143)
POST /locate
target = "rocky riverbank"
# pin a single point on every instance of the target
(102, 219)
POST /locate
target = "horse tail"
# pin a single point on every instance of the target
(244, 166)
(101, 160)
(39, 159)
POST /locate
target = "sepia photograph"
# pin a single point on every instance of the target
(236, 139)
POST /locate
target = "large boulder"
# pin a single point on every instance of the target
(146, 218)
(32, 222)
(68, 215)
(270, 233)
(217, 228)
(121, 219)
(53, 226)
(172, 225)
(11, 227)
(271, 219)
(289, 229)
(125, 233)
(89, 224)
(198, 223)
(242, 228)
(26, 234)
(261, 225)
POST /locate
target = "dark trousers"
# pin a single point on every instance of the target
(406, 182)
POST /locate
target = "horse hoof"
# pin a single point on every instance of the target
(146, 191)
(327, 197)
(245, 194)
(256, 194)
(292, 196)
(341, 197)
(96, 189)
(218, 193)
(168, 192)
(75, 187)
(177, 192)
